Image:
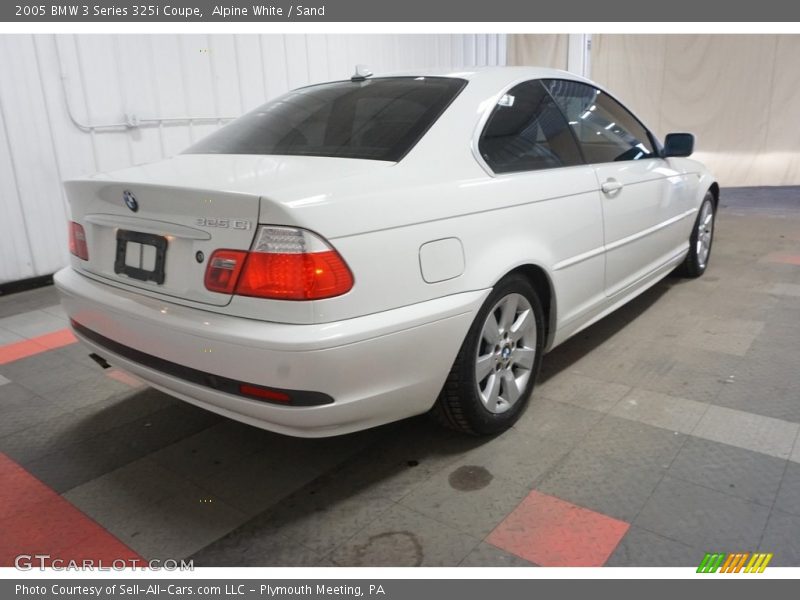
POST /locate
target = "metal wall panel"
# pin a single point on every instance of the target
(65, 101)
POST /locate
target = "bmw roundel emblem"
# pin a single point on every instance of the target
(130, 200)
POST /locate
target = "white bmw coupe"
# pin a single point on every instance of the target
(361, 251)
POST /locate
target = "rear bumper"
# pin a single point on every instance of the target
(376, 369)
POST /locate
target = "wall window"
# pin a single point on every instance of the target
(607, 132)
(526, 131)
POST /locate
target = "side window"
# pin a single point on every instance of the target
(526, 131)
(605, 129)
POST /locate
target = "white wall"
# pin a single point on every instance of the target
(739, 95)
(59, 94)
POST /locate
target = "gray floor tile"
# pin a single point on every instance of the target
(782, 538)
(468, 498)
(602, 484)
(642, 548)
(785, 289)
(701, 517)
(795, 455)
(77, 463)
(51, 382)
(80, 394)
(660, 410)
(32, 324)
(57, 311)
(320, 516)
(788, 499)
(21, 408)
(177, 526)
(746, 430)
(18, 418)
(546, 419)
(725, 335)
(256, 548)
(259, 481)
(211, 452)
(32, 366)
(134, 487)
(8, 337)
(736, 471)
(686, 382)
(61, 430)
(759, 399)
(29, 300)
(584, 392)
(404, 456)
(404, 538)
(165, 427)
(517, 456)
(774, 369)
(486, 555)
(633, 443)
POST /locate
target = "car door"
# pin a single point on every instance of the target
(639, 208)
(528, 147)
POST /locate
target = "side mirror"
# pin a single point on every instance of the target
(678, 144)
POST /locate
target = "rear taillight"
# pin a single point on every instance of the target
(285, 263)
(223, 270)
(77, 241)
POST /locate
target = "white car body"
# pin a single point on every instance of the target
(426, 239)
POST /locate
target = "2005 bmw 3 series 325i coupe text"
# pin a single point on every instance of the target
(361, 251)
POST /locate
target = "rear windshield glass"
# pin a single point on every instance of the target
(379, 119)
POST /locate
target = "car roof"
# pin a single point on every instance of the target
(491, 77)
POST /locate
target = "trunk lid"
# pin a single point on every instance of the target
(153, 228)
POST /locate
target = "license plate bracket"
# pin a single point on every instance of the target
(121, 267)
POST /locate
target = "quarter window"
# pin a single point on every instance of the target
(526, 131)
(605, 129)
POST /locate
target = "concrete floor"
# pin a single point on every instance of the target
(668, 430)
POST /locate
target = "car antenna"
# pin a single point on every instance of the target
(361, 74)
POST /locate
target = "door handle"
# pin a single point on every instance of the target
(611, 186)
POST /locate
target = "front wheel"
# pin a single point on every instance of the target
(700, 240)
(493, 375)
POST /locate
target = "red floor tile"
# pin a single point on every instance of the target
(18, 490)
(124, 377)
(780, 257)
(36, 520)
(553, 533)
(42, 343)
(56, 339)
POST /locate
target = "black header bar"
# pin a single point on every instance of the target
(440, 11)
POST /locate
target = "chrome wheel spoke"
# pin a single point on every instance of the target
(510, 387)
(523, 357)
(484, 366)
(491, 330)
(508, 312)
(492, 394)
(523, 323)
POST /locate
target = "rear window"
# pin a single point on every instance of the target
(379, 119)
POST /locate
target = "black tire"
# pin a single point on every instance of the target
(693, 265)
(460, 405)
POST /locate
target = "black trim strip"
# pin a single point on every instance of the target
(22, 285)
(217, 382)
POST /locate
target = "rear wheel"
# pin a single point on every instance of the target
(493, 375)
(700, 241)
